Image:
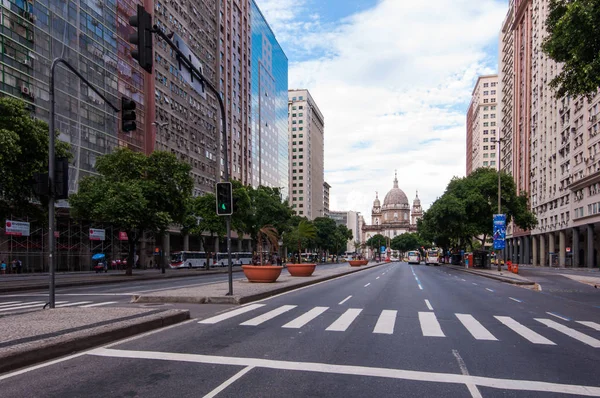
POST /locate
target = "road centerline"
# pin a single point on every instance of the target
(344, 300)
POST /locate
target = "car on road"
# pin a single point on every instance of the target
(414, 257)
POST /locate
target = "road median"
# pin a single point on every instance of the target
(244, 291)
(33, 337)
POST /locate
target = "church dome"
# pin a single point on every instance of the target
(395, 198)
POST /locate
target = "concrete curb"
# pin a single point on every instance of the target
(43, 350)
(244, 299)
(121, 279)
(496, 277)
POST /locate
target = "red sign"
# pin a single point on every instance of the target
(56, 234)
(123, 235)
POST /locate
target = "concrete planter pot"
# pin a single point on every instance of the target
(301, 269)
(262, 273)
(356, 263)
(364, 262)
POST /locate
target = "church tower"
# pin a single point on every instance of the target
(376, 212)
(417, 210)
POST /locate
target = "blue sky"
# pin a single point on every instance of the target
(393, 80)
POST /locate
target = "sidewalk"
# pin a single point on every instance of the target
(37, 336)
(244, 291)
(503, 276)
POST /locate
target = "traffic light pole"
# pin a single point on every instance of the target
(51, 168)
(188, 64)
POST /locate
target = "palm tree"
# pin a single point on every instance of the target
(304, 230)
(270, 234)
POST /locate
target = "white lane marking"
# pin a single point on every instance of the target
(514, 299)
(363, 371)
(22, 307)
(430, 325)
(385, 323)
(474, 283)
(228, 382)
(231, 314)
(428, 305)
(269, 315)
(7, 303)
(475, 327)
(367, 284)
(305, 318)
(19, 304)
(464, 280)
(377, 277)
(345, 320)
(487, 288)
(593, 325)
(344, 300)
(420, 287)
(73, 304)
(524, 331)
(99, 304)
(463, 369)
(558, 316)
(584, 338)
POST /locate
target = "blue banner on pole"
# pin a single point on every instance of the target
(382, 249)
(499, 231)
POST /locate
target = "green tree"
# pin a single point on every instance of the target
(405, 242)
(23, 152)
(376, 241)
(326, 229)
(135, 193)
(341, 237)
(267, 209)
(573, 29)
(203, 218)
(302, 234)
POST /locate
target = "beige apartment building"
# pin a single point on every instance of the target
(556, 143)
(306, 152)
(482, 120)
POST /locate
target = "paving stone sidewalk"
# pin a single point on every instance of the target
(244, 291)
(36, 336)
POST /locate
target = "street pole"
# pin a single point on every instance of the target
(499, 141)
(51, 167)
(188, 64)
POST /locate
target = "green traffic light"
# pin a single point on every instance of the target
(223, 206)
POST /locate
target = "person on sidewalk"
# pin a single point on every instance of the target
(3, 267)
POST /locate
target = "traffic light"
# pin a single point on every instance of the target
(142, 38)
(61, 178)
(127, 115)
(224, 199)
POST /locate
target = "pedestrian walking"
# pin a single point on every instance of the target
(19, 266)
(3, 267)
(13, 266)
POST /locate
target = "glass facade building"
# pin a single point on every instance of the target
(270, 158)
(92, 36)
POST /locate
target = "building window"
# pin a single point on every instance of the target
(485, 163)
(486, 84)
(485, 155)
(493, 163)
(486, 93)
(493, 92)
(485, 147)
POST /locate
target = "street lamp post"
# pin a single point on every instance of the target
(499, 142)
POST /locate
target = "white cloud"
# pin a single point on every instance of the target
(389, 79)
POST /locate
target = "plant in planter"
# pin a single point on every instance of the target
(265, 273)
(304, 231)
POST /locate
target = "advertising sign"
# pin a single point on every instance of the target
(383, 249)
(17, 228)
(186, 74)
(499, 231)
(123, 235)
(97, 234)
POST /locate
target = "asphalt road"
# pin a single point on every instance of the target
(394, 330)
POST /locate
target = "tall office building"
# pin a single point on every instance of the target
(326, 188)
(91, 36)
(306, 151)
(270, 157)
(482, 119)
(350, 219)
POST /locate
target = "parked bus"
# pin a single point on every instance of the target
(237, 258)
(432, 257)
(414, 257)
(189, 259)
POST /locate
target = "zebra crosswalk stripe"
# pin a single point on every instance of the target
(430, 325)
(345, 320)
(524, 331)
(25, 306)
(72, 304)
(305, 318)
(9, 303)
(592, 325)
(20, 304)
(584, 338)
(386, 322)
(231, 314)
(477, 330)
(268, 316)
(98, 304)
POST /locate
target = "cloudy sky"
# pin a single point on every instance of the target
(393, 79)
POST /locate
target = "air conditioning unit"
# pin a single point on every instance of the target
(25, 90)
(593, 118)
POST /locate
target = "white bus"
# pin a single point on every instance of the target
(414, 257)
(188, 259)
(237, 258)
(432, 257)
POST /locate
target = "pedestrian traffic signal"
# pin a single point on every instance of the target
(127, 115)
(142, 38)
(224, 199)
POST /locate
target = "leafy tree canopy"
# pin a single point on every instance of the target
(23, 152)
(574, 27)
